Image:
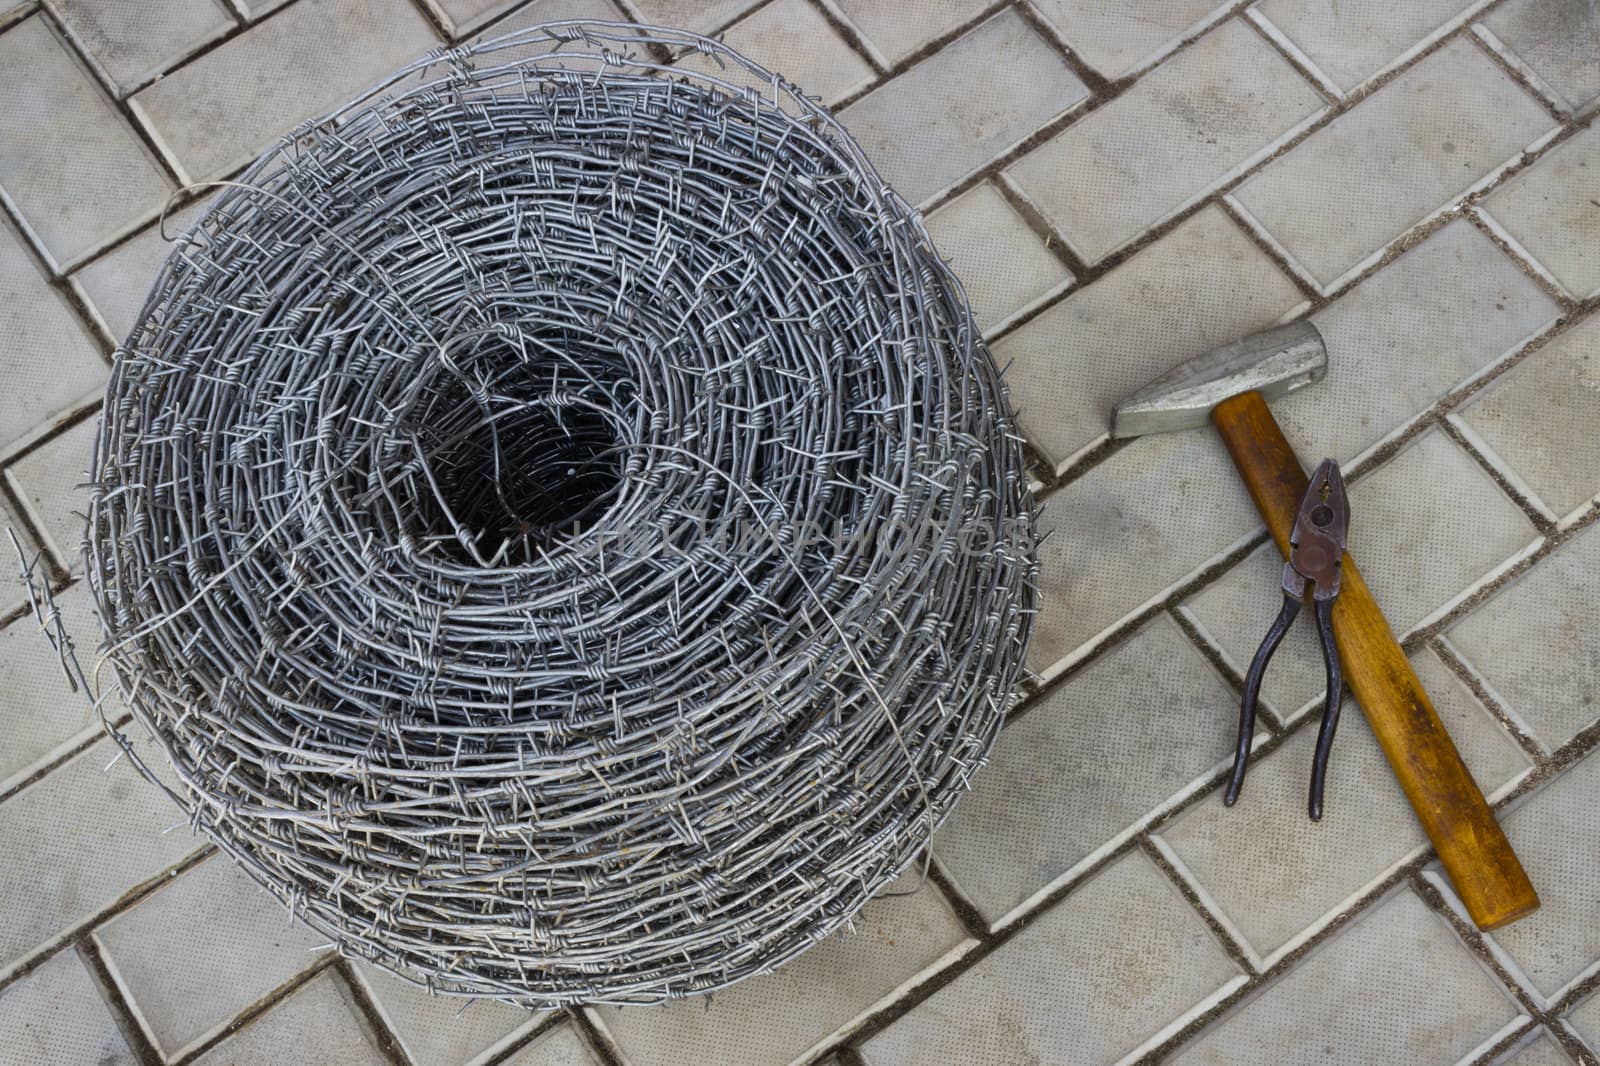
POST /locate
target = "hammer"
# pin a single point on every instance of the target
(1230, 387)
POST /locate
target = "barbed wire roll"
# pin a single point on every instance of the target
(558, 519)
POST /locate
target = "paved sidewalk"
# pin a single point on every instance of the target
(1121, 185)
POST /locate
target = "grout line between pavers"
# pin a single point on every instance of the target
(387, 1039)
(1475, 940)
(128, 1020)
(1514, 68)
(249, 1015)
(1481, 219)
(1229, 938)
(1484, 693)
(1513, 1034)
(1296, 57)
(853, 38)
(551, 1021)
(1532, 508)
(596, 1037)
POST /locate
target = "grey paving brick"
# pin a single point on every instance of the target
(896, 28)
(1538, 421)
(1353, 41)
(318, 1023)
(1138, 727)
(1190, 125)
(701, 16)
(56, 1015)
(1201, 285)
(1119, 39)
(1277, 877)
(1549, 211)
(46, 480)
(461, 17)
(1427, 323)
(1585, 1021)
(559, 1047)
(443, 1029)
(77, 840)
(1558, 40)
(1337, 199)
(1126, 532)
(1542, 1050)
(40, 719)
(1002, 264)
(974, 99)
(74, 193)
(1535, 645)
(133, 43)
(1394, 986)
(1100, 975)
(115, 285)
(185, 990)
(791, 38)
(221, 111)
(776, 1018)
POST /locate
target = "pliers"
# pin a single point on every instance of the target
(1316, 552)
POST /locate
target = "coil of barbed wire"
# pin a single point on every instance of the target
(559, 521)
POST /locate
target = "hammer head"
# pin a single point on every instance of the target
(1272, 362)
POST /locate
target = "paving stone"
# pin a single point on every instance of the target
(1353, 41)
(319, 1023)
(1550, 211)
(559, 1047)
(1002, 264)
(1276, 876)
(1541, 1051)
(40, 718)
(47, 482)
(461, 17)
(1538, 419)
(1429, 322)
(1103, 973)
(56, 1015)
(187, 990)
(225, 108)
(1559, 40)
(133, 43)
(896, 28)
(1394, 986)
(1535, 645)
(701, 16)
(1201, 285)
(116, 285)
(444, 1029)
(777, 1017)
(1585, 1021)
(1337, 199)
(254, 9)
(792, 39)
(75, 841)
(74, 193)
(1192, 124)
(974, 99)
(1078, 772)
(51, 364)
(1119, 39)
(1126, 532)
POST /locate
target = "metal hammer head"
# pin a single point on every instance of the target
(1272, 362)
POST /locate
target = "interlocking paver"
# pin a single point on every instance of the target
(225, 108)
(114, 286)
(1353, 41)
(559, 1047)
(791, 38)
(1276, 876)
(1001, 262)
(186, 989)
(1099, 975)
(78, 192)
(56, 1015)
(443, 1029)
(318, 1023)
(1395, 986)
(1335, 201)
(1538, 420)
(1552, 212)
(1558, 40)
(1535, 644)
(1427, 323)
(40, 719)
(1080, 770)
(896, 28)
(1201, 285)
(701, 16)
(46, 480)
(75, 841)
(975, 99)
(1191, 125)
(775, 1018)
(1585, 1021)
(1119, 39)
(133, 43)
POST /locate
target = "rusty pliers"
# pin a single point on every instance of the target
(1316, 552)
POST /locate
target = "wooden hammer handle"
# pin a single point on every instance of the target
(1470, 843)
